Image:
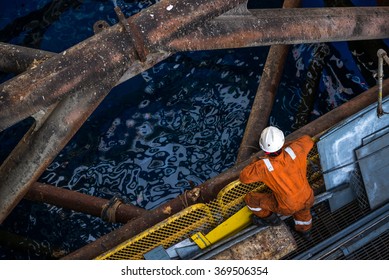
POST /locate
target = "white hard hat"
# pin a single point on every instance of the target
(272, 139)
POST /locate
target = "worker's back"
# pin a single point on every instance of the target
(285, 174)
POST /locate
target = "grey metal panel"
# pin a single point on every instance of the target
(373, 148)
(374, 164)
(337, 200)
(375, 135)
(336, 147)
(158, 253)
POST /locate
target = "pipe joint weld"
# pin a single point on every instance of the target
(108, 211)
(135, 35)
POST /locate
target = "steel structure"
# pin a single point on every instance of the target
(67, 87)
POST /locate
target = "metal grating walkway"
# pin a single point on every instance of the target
(373, 250)
(326, 224)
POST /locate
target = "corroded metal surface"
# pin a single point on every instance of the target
(75, 72)
(134, 34)
(288, 26)
(95, 59)
(103, 58)
(272, 243)
(265, 96)
(80, 202)
(16, 59)
(71, 77)
(108, 53)
(176, 18)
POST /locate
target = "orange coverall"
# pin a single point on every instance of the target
(285, 175)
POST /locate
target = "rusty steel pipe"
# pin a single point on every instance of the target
(135, 226)
(65, 73)
(103, 57)
(287, 26)
(36, 150)
(17, 59)
(28, 99)
(80, 202)
(97, 65)
(208, 190)
(263, 102)
(265, 96)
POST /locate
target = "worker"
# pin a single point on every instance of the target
(283, 170)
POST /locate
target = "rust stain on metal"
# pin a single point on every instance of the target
(100, 26)
(17, 59)
(167, 19)
(76, 71)
(134, 34)
(287, 26)
(167, 210)
(194, 194)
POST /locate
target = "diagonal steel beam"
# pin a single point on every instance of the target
(287, 26)
(104, 57)
(265, 96)
(17, 59)
(91, 69)
(38, 88)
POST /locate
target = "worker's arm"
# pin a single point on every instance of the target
(304, 144)
(307, 142)
(251, 173)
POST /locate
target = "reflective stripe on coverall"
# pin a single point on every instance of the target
(285, 175)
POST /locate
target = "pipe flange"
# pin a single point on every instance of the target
(108, 211)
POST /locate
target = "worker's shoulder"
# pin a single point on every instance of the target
(304, 138)
(259, 165)
(260, 161)
(252, 172)
(304, 141)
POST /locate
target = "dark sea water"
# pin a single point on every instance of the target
(179, 123)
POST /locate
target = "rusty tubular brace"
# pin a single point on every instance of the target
(381, 57)
(265, 96)
(103, 58)
(110, 210)
(135, 36)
